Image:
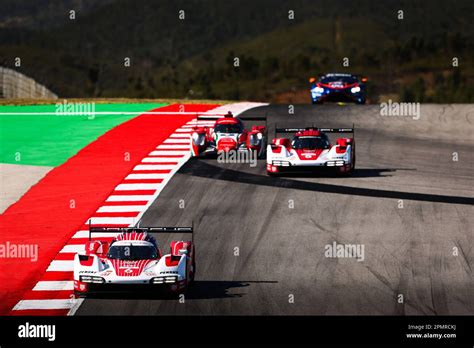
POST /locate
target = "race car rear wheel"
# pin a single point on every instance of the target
(353, 163)
(193, 272)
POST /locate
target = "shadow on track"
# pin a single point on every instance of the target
(329, 173)
(200, 289)
(209, 289)
(203, 169)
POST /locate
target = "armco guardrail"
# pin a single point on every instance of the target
(16, 85)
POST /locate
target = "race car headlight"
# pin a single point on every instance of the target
(91, 279)
(254, 139)
(198, 139)
(281, 163)
(318, 89)
(355, 89)
(164, 280)
(335, 163)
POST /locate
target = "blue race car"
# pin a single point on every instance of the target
(338, 88)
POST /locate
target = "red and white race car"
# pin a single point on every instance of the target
(133, 257)
(311, 149)
(228, 134)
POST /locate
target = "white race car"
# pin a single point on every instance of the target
(133, 257)
(311, 149)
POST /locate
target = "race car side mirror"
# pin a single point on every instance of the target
(312, 80)
(282, 141)
(96, 247)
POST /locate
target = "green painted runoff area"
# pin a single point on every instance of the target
(49, 140)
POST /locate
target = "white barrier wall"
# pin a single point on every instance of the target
(16, 85)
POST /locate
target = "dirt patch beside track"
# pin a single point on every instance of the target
(16, 179)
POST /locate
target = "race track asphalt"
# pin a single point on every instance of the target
(261, 241)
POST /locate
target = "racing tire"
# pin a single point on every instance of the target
(353, 161)
(79, 294)
(263, 153)
(194, 273)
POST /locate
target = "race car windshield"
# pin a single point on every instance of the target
(345, 79)
(228, 128)
(132, 252)
(310, 143)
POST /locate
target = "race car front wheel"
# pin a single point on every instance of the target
(193, 272)
(80, 294)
